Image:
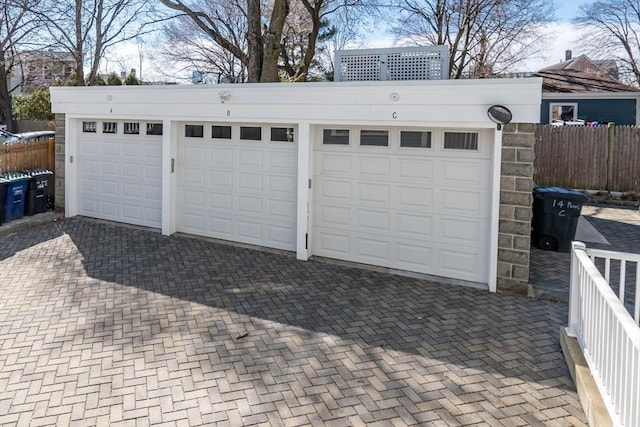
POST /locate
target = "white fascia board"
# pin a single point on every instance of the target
(591, 95)
(436, 102)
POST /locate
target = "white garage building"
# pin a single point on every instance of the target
(403, 175)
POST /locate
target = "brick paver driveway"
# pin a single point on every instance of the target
(103, 325)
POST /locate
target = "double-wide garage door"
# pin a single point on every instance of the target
(120, 171)
(416, 200)
(238, 183)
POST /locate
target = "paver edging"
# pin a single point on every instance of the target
(588, 393)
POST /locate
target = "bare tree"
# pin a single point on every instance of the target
(613, 29)
(259, 51)
(16, 25)
(88, 29)
(483, 36)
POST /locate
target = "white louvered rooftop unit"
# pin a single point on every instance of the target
(402, 63)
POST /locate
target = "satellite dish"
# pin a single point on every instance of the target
(499, 114)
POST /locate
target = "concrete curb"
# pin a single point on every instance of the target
(29, 222)
(588, 393)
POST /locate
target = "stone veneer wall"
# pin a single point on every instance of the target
(59, 159)
(516, 184)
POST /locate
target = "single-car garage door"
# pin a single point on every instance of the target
(409, 199)
(120, 171)
(238, 183)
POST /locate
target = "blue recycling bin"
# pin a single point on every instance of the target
(3, 194)
(16, 192)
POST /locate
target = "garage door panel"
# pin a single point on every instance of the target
(153, 173)
(131, 190)
(193, 154)
(250, 159)
(370, 249)
(370, 193)
(414, 198)
(282, 184)
(221, 201)
(250, 231)
(282, 160)
(335, 165)
(109, 148)
(460, 202)
(338, 190)
(250, 182)
(331, 243)
(192, 222)
(153, 195)
(153, 215)
(110, 188)
(375, 167)
(280, 236)
(460, 230)
(421, 169)
(134, 151)
(469, 174)
(110, 209)
(219, 178)
(153, 151)
(131, 171)
(283, 210)
(109, 168)
(131, 212)
(374, 221)
(193, 198)
(250, 205)
(219, 157)
(219, 227)
(465, 265)
(335, 216)
(415, 225)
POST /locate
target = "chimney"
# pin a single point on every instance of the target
(567, 55)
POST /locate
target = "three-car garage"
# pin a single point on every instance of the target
(335, 171)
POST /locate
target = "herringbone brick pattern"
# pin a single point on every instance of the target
(106, 325)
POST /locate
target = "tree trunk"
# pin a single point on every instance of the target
(78, 53)
(254, 42)
(6, 113)
(272, 41)
(312, 39)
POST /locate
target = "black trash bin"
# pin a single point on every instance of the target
(555, 216)
(37, 200)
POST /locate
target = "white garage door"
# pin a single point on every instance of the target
(120, 171)
(409, 199)
(238, 183)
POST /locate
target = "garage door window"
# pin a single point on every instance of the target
(131, 128)
(194, 131)
(282, 134)
(461, 141)
(110, 127)
(375, 138)
(251, 133)
(221, 132)
(89, 127)
(413, 139)
(154, 128)
(335, 136)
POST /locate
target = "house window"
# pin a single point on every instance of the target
(131, 128)
(282, 134)
(194, 131)
(154, 128)
(415, 139)
(335, 136)
(461, 141)
(109, 127)
(89, 127)
(563, 112)
(221, 132)
(375, 138)
(251, 133)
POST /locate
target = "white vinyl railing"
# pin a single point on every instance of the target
(608, 335)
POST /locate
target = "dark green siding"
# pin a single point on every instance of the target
(619, 111)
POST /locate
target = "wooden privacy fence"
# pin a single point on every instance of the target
(588, 158)
(35, 154)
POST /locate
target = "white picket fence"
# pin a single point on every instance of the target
(607, 333)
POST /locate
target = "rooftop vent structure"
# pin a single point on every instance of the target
(405, 63)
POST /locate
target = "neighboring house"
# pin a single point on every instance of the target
(580, 88)
(38, 69)
(405, 175)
